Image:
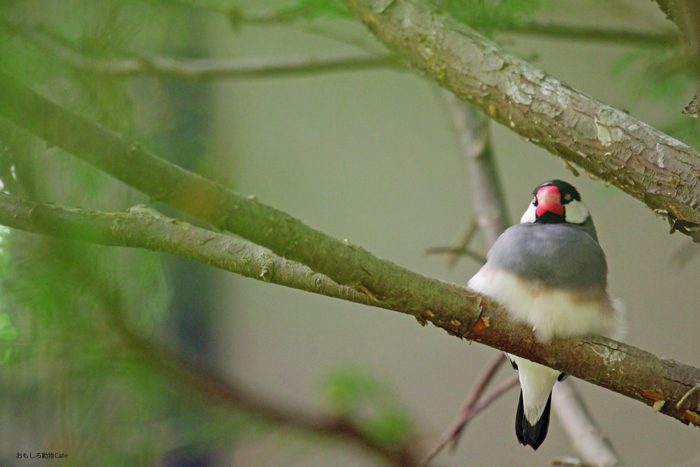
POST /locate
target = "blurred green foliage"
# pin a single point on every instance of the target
(664, 76)
(357, 395)
(489, 16)
(80, 384)
(315, 9)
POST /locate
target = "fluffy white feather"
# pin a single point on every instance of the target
(550, 312)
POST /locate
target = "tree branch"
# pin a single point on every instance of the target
(472, 131)
(199, 69)
(588, 439)
(451, 436)
(458, 310)
(607, 143)
(142, 227)
(592, 34)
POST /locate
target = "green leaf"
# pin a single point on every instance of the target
(7, 330)
(347, 390)
(390, 427)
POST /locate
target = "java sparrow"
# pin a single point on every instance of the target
(549, 272)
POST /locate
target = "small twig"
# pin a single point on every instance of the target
(687, 395)
(462, 248)
(470, 409)
(366, 291)
(481, 385)
(469, 233)
(451, 436)
(578, 33)
(456, 252)
(492, 396)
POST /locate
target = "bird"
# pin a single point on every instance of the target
(549, 272)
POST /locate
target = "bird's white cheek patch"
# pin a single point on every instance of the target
(551, 313)
(576, 212)
(530, 215)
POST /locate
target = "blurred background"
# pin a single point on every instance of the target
(363, 153)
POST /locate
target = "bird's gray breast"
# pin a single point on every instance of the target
(559, 255)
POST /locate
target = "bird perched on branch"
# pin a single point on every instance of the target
(549, 272)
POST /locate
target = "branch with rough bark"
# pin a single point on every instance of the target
(607, 143)
(671, 387)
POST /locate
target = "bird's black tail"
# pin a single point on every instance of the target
(531, 435)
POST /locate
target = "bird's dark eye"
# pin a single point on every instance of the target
(567, 198)
(534, 201)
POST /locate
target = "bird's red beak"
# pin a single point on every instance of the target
(549, 200)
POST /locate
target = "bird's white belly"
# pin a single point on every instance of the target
(551, 313)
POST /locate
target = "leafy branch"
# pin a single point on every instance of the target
(59, 48)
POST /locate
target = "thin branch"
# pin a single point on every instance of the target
(616, 366)
(221, 68)
(467, 238)
(200, 69)
(493, 395)
(472, 131)
(455, 252)
(480, 386)
(453, 433)
(607, 143)
(593, 34)
(588, 439)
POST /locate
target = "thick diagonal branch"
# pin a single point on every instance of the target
(606, 142)
(669, 386)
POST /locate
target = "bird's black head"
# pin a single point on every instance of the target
(566, 190)
(556, 201)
